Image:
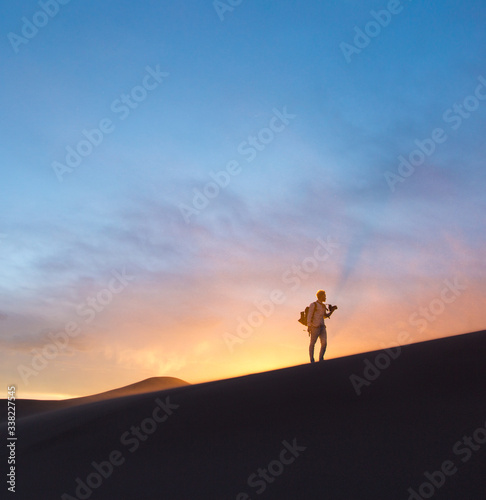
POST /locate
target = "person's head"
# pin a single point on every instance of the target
(321, 296)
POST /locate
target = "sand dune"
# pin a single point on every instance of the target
(381, 425)
(27, 407)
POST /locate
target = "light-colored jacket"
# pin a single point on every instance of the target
(315, 316)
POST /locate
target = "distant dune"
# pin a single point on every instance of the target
(381, 425)
(27, 407)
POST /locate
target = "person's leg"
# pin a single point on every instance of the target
(314, 333)
(323, 339)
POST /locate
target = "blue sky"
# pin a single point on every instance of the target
(319, 173)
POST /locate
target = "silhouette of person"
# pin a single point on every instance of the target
(315, 324)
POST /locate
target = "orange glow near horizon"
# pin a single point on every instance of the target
(255, 357)
(195, 350)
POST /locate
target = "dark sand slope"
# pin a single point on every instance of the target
(303, 429)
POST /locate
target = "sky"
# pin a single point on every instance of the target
(178, 179)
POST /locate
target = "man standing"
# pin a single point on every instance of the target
(315, 324)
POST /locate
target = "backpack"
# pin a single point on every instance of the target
(303, 315)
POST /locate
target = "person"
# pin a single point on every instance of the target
(315, 324)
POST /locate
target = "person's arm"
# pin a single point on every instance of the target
(331, 310)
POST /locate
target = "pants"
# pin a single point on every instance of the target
(318, 332)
